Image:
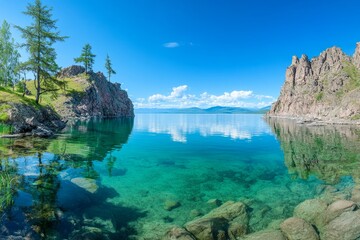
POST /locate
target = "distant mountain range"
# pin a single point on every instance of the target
(212, 110)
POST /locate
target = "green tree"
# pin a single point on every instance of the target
(86, 57)
(9, 56)
(108, 67)
(40, 37)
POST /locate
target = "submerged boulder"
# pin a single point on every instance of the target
(229, 221)
(298, 229)
(177, 233)
(87, 184)
(344, 227)
(310, 209)
(334, 210)
(265, 235)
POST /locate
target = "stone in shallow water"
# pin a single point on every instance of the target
(230, 219)
(86, 183)
(344, 227)
(334, 210)
(310, 209)
(171, 204)
(177, 233)
(208, 228)
(297, 229)
(265, 235)
(214, 202)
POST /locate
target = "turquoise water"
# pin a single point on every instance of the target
(112, 179)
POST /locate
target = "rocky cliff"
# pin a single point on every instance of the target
(91, 95)
(25, 118)
(325, 88)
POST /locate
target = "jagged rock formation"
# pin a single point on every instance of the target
(326, 88)
(29, 120)
(92, 96)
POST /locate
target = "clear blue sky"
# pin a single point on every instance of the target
(236, 51)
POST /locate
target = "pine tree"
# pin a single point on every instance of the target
(40, 37)
(86, 57)
(9, 56)
(108, 67)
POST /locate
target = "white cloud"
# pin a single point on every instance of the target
(171, 45)
(179, 98)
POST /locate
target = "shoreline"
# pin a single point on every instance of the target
(312, 121)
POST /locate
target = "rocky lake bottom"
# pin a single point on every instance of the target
(138, 178)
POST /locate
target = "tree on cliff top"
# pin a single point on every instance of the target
(40, 36)
(86, 57)
(108, 67)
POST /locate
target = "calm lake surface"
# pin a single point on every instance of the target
(111, 179)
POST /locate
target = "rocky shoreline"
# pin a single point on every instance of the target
(313, 121)
(332, 216)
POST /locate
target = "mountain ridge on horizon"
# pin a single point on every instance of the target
(210, 110)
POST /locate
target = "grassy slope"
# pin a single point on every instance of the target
(75, 85)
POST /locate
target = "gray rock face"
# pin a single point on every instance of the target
(99, 99)
(297, 229)
(325, 88)
(345, 227)
(36, 121)
(71, 71)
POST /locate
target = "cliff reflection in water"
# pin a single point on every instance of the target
(46, 185)
(329, 151)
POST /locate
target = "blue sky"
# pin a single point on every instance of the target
(184, 53)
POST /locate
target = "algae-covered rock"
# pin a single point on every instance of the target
(265, 235)
(310, 209)
(171, 204)
(334, 210)
(344, 227)
(177, 233)
(298, 229)
(229, 221)
(209, 228)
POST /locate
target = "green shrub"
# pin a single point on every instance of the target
(319, 96)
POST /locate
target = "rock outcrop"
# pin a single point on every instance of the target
(93, 96)
(325, 88)
(30, 120)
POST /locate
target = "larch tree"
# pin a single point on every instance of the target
(108, 66)
(40, 36)
(86, 57)
(9, 56)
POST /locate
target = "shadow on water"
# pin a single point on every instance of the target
(328, 152)
(49, 188)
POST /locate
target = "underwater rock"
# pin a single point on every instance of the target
(334, 210)
(214, 202)
(177, 233)
(89, 233)
(228, 220)
(355, 194)
(208, 228)
(87, 184)
(195, 213)
(310, 209)
(265, 235)
(236, 230)
(344, 227)
(298, 229)
(171, 204)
